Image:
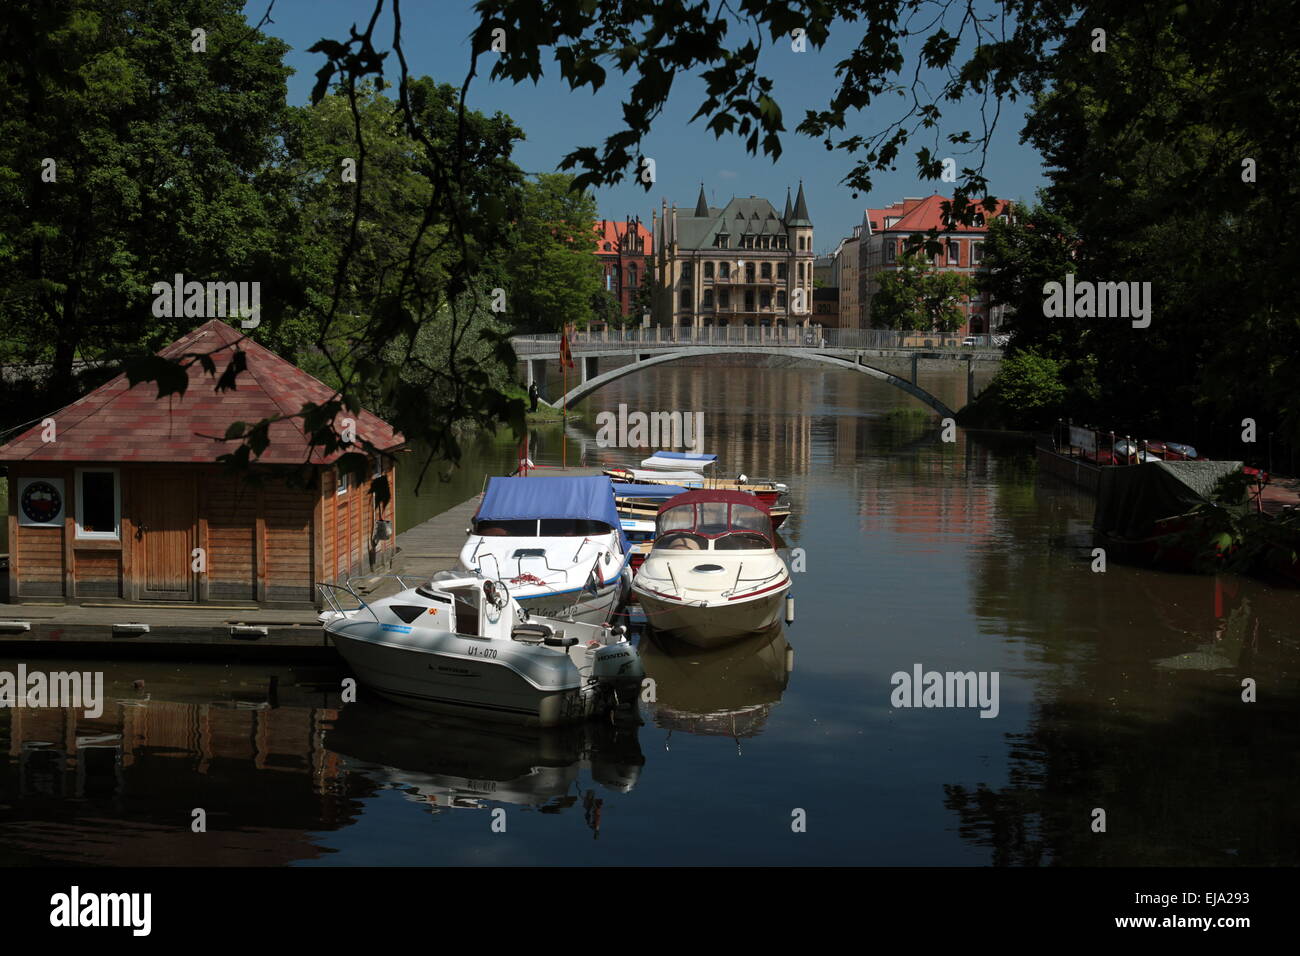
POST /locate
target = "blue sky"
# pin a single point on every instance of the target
(556, 120)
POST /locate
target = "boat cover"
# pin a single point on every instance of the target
(629, 490)
(1132, 498)
(520, 499)
(642, 474)
(675, 459)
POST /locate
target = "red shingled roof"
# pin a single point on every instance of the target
(118, 423)
(613, 231)
(922, 215)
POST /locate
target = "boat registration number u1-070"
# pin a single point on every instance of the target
(473, 650)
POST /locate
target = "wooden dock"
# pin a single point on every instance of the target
(191, 632)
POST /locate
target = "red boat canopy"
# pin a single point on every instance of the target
(710, 496)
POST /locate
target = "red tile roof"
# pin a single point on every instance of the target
(118, 423)
(613, 230)
(922, 215)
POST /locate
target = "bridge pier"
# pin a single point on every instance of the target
(588, 367)
(970, 378)
(916, 362)
(536, 372)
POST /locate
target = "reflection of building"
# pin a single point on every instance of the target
(262, 775)
(624, 250)
(885, 237)
(742, 265)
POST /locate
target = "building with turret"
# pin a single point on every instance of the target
(742, 265)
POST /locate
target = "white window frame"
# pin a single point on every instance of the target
(116, 533)
(342, 482)
(977, 253)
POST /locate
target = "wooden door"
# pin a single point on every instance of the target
(164, 537)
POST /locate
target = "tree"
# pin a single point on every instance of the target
(127, 157)
(918, 297)
(554, 278)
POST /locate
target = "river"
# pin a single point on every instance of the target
(1119, 733)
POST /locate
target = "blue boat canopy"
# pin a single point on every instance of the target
(628, 490)
(523, 499)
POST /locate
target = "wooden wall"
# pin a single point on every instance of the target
(265, 545)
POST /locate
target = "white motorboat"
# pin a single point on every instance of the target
(714, 574)
(556, 542)
(461, 644)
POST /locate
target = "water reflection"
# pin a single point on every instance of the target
(728, 691)
(448, 763)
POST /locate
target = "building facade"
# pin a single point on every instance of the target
(886, 234)
(741, 265)
(129, 505)
(846, 276)
(624, 249)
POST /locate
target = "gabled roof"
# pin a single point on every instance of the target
(118, 423)
(614, 231)
(922, 215)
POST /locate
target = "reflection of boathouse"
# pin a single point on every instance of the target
(262, 775)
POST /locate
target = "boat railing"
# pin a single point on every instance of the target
(739, 588)
(330, 593)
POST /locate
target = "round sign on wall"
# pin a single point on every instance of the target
(40, 502)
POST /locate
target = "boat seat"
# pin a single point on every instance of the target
(560, 639)
(531, 633)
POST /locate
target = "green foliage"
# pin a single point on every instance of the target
(918, 297)
(1026, 393)
(554, 276)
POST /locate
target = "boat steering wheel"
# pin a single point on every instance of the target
(497, 594)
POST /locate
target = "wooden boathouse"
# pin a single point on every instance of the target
(127, 504)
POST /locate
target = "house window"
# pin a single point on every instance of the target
(765, 270)
(724, 270)
(765, 300)
(685, 298)
(688, 271)
(976, 253)
(780, 270)
(749, 272)
(376, 466)
(889, 252)
(344, 483)
(99, 504)
(607, 247)
(954, 252)
(724, 299)
(780, 299)
(708, 298)
(631, 277)
(708, 270)
(609, 281)
(749, 301)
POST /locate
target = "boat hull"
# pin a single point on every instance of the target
(713, 624)
(454, 684)
(586, 606)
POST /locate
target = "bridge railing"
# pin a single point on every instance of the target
(794, 338)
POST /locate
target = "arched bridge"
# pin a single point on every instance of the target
(851, 349)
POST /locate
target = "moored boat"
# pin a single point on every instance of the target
(557, 542)
(714, 574)
(461, 644)
(686, 470)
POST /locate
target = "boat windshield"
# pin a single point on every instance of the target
(544, 528)
(729, 526)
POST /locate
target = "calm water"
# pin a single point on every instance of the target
(1119, 691)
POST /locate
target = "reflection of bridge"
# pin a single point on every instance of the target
(859, 350)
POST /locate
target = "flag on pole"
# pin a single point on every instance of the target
(566, 353)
